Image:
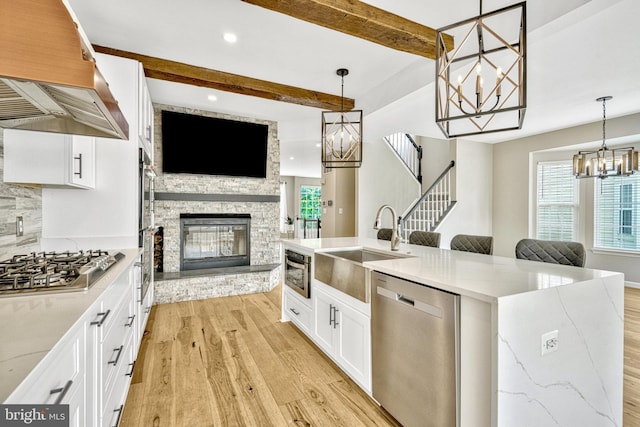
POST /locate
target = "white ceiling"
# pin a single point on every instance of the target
(578, 50)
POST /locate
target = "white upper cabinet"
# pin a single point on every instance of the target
(49, 159)
(145, 115)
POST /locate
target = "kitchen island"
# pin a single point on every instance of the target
(511, 312)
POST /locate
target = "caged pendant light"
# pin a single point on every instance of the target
(342, 135)
(605, 162)
(481, 83)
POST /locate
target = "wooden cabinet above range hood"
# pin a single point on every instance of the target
(49, 80)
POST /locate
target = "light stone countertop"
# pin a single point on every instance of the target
(31, 325)
(483, 277)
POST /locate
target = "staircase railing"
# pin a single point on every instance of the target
(409, 152)
(429, 211)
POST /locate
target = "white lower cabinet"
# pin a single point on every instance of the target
(344, 333)
(113, 327)
(297, 310)
(90, 368)
(59, 378)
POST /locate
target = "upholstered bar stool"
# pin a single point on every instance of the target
(556, 252)
(385, 234)
(472, 243)
(425, 238)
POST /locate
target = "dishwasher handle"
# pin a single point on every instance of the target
(427, 308)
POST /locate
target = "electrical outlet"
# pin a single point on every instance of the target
(549, 342)
(19, 226)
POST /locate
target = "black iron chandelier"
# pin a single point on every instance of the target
(605, 162)
(342, 135)
(481, 83)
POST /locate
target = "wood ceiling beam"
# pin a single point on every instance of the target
(163, 69)
(362, 20)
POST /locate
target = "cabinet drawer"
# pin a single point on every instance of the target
(113, 348)
(298, 312)
(105, 313)
(58, 377)
(116, 394)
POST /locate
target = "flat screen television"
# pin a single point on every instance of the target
(213, 146)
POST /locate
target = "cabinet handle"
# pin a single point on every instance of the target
(333, 318)
(62, 391)
(149, 133)
(297, 313)
(79, 159)
(115, 362)
(130, 373)
(130, 324)
(119, 411)
(101, 321)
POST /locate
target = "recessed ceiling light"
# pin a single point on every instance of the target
(318, 144)
(212, 98)
(292, 158)
(230, 37)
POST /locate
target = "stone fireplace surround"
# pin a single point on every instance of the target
(186, 193)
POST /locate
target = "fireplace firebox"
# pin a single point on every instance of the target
(214, 240)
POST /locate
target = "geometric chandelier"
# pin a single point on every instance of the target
(605, 162)
(481, 83)
(342, 135)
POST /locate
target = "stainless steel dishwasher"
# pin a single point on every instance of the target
(415, 351)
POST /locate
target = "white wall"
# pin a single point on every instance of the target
(382, 179)
(435, 158)
(512, 182)
(472, 213)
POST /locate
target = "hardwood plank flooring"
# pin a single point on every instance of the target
(631, 389)
(231, 362)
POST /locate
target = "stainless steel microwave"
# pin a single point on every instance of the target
(297, 272)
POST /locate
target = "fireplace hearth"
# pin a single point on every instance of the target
(214, 240)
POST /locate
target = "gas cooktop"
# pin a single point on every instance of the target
(54, 271)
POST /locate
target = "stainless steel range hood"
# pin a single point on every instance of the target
(49, 80)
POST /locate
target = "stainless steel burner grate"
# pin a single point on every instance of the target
(53, 271)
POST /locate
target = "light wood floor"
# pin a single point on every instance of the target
(231, 362)
(631, 391)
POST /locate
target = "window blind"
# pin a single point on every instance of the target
(557, 201)
(617, 213)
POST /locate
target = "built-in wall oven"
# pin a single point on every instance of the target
(146, 225)
(297, 272)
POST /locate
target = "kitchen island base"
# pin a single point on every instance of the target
(510, 368)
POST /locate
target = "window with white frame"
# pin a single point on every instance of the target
(310, 202)
(557, 201)
(617, 213)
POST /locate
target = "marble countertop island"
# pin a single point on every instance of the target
(508, 309)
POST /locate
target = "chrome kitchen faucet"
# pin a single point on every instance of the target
(395, 237)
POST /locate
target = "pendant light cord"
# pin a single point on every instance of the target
(604, 121)
(342, 95)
